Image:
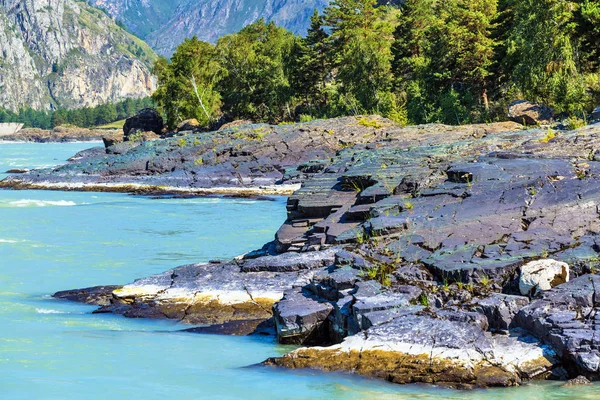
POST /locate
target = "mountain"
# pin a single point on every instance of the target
(164, 24)
(65, 53)
(142, 17)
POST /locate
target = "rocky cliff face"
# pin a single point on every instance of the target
(204, 18)
(62, 53)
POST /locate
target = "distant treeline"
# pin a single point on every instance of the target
(450, 61)
(86, 117)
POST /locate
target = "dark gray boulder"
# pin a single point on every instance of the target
(147, 120)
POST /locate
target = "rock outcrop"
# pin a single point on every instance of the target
(63, 53)
(527, 113)
(403, 250)
(62, 134)
(146, 120)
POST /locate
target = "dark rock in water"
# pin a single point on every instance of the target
(147, 120)
(579, 381)
(403, 246)
(237, 328)
(97, 295)
(418, 348)
(92, 153)
(110, 141)
(527, 113)
(17, 171)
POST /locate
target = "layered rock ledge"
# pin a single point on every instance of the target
(464, 256)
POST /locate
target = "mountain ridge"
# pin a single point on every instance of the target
(208, 20)
(67, 54)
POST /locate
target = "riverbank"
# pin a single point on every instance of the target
(61, 135)
(405, 249)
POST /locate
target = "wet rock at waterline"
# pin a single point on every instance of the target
(417, 347)
(98, 295)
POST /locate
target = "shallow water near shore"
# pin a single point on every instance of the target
(50, 349)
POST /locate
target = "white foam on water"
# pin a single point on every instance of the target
(42, 203)
(48, 311)
(9, 241)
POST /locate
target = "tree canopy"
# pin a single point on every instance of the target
(451, 61)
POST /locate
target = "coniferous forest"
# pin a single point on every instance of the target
(450, 61)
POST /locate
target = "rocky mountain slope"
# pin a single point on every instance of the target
(141, 17)
(164, 24)
(63, 53)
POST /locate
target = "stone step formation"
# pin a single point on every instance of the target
(463, 256)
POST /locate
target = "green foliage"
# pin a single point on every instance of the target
(187, 86)
(137, 136)
(379, 272)
(574, 122)
(549, 136)
(310, 67)
(370, 123)
(546, 70)
(361, 41)
(442, 58)
(256, 86)
(86, 117)
(454, 61)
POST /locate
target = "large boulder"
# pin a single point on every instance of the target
(542, 275)
(527, 113)
(147, 120)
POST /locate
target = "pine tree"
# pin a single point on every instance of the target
(361, 40)
(587, 18)
(543, 43)
(309, 67)
(256, 86)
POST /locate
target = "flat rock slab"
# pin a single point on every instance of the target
(416, 348)
(205, 294)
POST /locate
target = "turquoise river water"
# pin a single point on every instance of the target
(51, 349)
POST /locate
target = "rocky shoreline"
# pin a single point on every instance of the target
(60, 135)
(462, 256)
